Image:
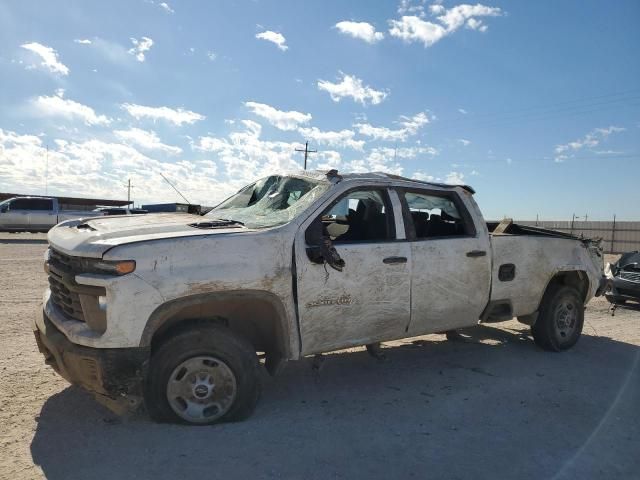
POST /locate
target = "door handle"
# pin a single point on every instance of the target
(476, 253)
(394, 260)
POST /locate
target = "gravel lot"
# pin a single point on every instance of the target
(493, 406)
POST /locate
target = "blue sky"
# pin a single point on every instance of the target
(535, 104)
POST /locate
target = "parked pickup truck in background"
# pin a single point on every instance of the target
(176, 310)
(36, 214)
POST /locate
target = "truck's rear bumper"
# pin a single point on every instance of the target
(114, 375)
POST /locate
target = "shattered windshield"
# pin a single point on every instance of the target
(270, 202)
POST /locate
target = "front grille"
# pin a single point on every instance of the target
(65, 299)
(631, 276)
(62, 271)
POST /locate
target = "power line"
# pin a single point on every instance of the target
(543, 112)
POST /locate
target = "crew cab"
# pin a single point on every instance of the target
(36, 214)
(175, 311)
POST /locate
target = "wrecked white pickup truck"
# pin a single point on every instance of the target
(175, 311)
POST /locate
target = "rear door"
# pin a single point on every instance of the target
(42, 215)
(369, 300)
(451, 273)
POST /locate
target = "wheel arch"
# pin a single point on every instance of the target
(256, 315)
(574, 278)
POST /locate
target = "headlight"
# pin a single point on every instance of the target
(117, 267)
(47, 255)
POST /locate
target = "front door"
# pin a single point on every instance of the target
(17, 215)
(369, 300)
(451, 277)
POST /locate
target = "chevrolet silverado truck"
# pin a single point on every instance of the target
(36, 214)
(178, 312)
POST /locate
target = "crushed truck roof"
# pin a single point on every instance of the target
(334, 174)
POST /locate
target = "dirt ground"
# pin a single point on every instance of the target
(493, 406)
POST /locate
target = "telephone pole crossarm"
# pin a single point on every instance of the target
(306, 152)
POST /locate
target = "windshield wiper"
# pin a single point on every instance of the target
(217, 223)
(230, 220)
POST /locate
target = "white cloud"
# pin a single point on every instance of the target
(212, 56)
(409, 127)
(589, 141)
(381, 133)
(96, 168)
(464, 142)
(165, 6)
(273, 37)
(176, 116)
(48, 56)
(509, 161)
(326, 160)
(406, 6)
(463, 111)
(57, 106)
(351, 86)
(411, 28)
(422, 176)
(362, 30)
(140, 47)
(280, 119)
(337, 139)
(83, 41)
(146, 139)
(454, 178)
(246, 156)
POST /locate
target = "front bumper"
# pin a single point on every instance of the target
(622, 290)
(114, 375)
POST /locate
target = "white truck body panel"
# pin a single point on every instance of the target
(438, 288)
(537, 260)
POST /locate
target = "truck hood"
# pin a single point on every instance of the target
(92, 237)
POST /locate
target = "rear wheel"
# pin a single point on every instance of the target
(559, 323)
(202, 376)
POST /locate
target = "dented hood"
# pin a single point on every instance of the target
(91, 237)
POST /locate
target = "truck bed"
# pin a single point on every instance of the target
(536, 255)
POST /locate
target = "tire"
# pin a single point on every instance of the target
(559, 324)
(201, 376)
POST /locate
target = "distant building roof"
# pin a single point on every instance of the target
(72, 200)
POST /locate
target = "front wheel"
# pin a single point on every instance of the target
(202, 376)
(559, 323)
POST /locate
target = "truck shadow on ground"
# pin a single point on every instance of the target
(23, 241)
(489, 406)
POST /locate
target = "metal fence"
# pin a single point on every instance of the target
(617, 237)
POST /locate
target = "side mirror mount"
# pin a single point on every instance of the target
(321, 249)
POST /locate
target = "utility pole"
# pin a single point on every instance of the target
(306, 152)
(129, 187)
(613, 235)
(46, 173)
(573, 219)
